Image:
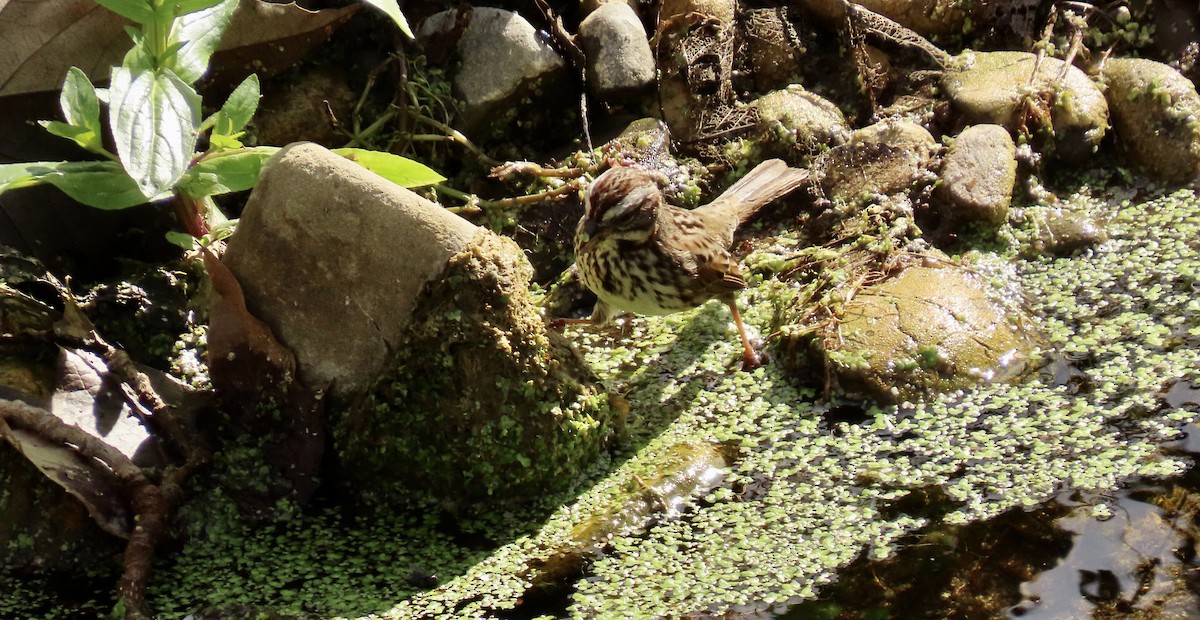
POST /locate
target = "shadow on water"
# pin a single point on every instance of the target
(1134, 554)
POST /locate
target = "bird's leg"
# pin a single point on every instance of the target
(750, 359)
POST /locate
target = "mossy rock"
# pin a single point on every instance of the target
(1155, 111)
(1060, 101)
(482, 402)
(884, 158)
(929, 329)
(796, 119)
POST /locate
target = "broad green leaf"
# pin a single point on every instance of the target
(100, 184)
(399, 170)
(239, 108)
(183, 7)
(25, 174)
(138, 58)
(227, 171)
(392, 9)
(154, 116)
(82, 136)
(138, 11)
(80, 106)
(200, 32)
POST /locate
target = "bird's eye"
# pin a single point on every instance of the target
(630, 202)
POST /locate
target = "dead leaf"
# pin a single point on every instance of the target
(44, 38)
(93, 484)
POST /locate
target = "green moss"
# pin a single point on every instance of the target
(486, 407)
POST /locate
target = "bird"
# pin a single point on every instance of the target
(639, 254)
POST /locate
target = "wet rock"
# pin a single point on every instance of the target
(331, 257)
(978, 173)
(883, 158)
(500, 57)
(1156, 114)
(774, 47)
(619, 60)
(481, 403)
(1062, 233)
(797, 121)
(995, 88)
(444, 376)
(926, 17)
(926, 330)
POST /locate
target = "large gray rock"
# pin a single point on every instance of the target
(499, 55)
(619, 60)
(332, 256)
(1156, 114)
(978, 173)
(1002, 88)
(446, 379)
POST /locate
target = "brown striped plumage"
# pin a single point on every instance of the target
(639, 254)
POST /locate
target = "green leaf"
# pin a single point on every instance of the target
(138, 58)
(78, 100)
(82, 136)
(182, 240)
(24, 174)
(200, 32)
(392, 9)
(399, 170)
(138, 11)
(183, 7)
(100, 184)
(239, 108)
(154, 116)
(227, 171)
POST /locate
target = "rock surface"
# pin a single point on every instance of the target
(926, 330)
(332, 257)
(619, 60)
(1156, 114)
(883, 158)
(500, 54)
(995, 87)
(923, 16)
(978, 173)
(794, 119)
(481, 403)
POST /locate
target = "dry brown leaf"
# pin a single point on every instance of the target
(44, 38)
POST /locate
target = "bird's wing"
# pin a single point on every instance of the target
(699, 250)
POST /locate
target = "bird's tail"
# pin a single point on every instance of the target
(768, 181)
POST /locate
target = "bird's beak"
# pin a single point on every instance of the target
(589, 227)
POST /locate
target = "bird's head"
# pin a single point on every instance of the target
(621, 204)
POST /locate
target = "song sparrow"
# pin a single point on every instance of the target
(639, 254)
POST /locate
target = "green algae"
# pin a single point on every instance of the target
(481, 402)
(815, 485)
